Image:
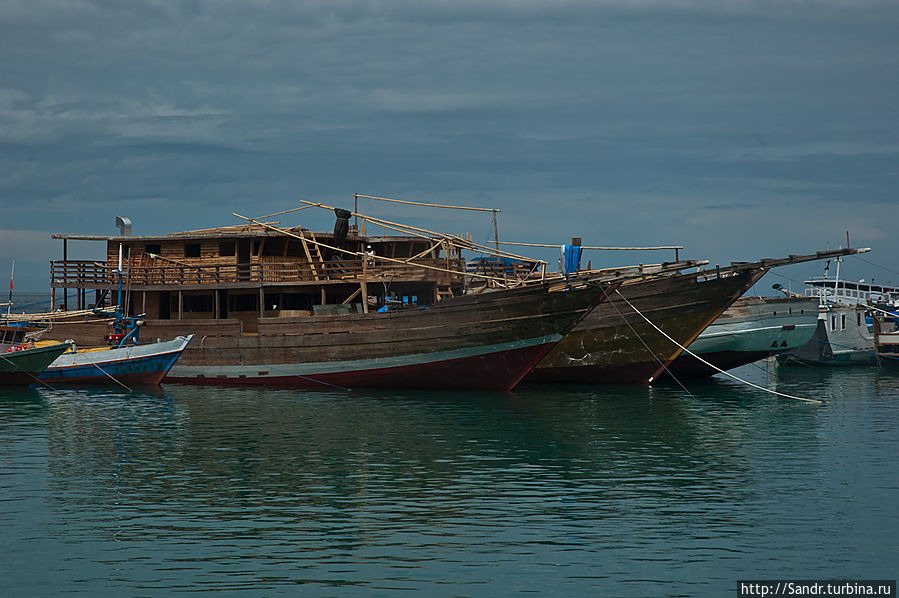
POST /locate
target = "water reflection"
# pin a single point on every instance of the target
(587, 488)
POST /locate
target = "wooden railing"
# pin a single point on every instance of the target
(97, 275)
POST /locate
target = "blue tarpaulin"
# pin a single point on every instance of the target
(571, 258)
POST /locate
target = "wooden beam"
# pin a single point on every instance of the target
(427, 205)
(353, 296)
(600, 248)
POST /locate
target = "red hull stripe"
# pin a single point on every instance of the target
(497, 370)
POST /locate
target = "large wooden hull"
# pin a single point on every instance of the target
(614, 344)
(485, 341)
(23, 367)
(136, 364)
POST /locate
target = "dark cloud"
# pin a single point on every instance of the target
(735, 128)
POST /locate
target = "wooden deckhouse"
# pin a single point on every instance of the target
(255, 271)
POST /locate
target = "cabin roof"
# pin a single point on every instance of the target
(232, 232)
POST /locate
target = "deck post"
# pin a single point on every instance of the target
(215, 294)
(65, 267)
(261, 303)
(180, 304)
(362, 283)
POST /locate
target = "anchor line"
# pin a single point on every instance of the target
(112, 378)
(651, 352)
(15, 365)
(716, 368)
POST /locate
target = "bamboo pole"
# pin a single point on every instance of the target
(426, 205)
(281, 213)
(425, 233)
(362, 255)
(594, 247)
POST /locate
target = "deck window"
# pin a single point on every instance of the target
(155, 249)
(226, 248)
(192, 250)
(842, 321)
(833, 322)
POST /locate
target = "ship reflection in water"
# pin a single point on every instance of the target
(579, 489)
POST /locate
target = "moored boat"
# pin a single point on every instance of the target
(143, 364)
(841, 337)
(22, 366)
(752, 328)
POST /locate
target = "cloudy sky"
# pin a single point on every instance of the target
(738, 129)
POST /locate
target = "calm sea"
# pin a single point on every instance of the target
(550, 490)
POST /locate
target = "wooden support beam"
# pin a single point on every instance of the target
(353, 296)
(363, 287)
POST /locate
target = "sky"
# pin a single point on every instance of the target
(738, 129)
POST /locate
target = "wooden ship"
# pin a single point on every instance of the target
(284, 305)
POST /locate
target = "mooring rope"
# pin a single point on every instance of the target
(651, 352)
(271, 367)
(713, 366)
(113, 379)
(17, 366)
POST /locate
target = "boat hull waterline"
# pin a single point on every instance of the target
(145, 364)
(19, 368)
(487, 341)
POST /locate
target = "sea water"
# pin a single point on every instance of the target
(548, 490)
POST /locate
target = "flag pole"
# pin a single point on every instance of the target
(12, 273)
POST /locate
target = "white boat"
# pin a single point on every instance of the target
(846, 292)
(752, 328)
(842, 337)
(144, 364)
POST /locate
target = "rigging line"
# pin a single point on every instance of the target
(15, 365)
(876, 265)
(651, 352)
(113, 379)
(271, 367)
(833, 344)
(714, 367)
(790, 359)
(786, 277)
